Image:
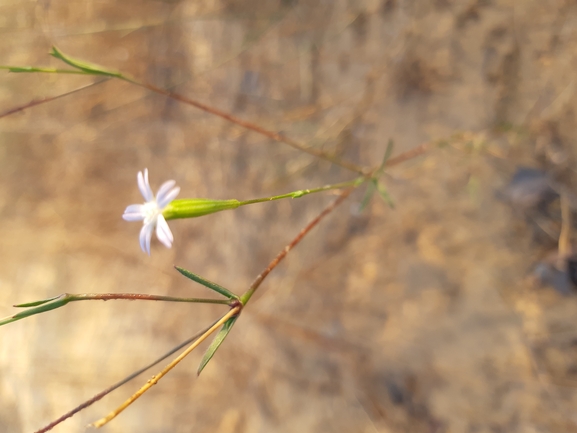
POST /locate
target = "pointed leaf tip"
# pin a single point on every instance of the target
(37, 308)
(208, 284)
(385, 195)
(40, 302)
(89, 68)
(388, 153)
(222, 334)
(371, 188)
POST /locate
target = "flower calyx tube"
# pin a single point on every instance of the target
(195, 207)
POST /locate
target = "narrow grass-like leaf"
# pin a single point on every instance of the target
(206, 283)
(385, 194)
(374, 184)
(89, 68)
(388, 153)
(371, 188)
(44, 70)
(57, 302)
(216, 342)
(36, 303)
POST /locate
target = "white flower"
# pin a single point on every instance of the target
(150, 213)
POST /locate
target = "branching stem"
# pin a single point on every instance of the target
(61, 300)
(154, 380)
(118, 384)
(280, 256)
(249, 125)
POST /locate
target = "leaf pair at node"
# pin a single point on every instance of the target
(375, 185)
(226, 327)
(80, 66)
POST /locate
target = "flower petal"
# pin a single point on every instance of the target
(145, 237)
(163, 232)
(167, 198)
(144, 186)
(164, 188)
(134, 212)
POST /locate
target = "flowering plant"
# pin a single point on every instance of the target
(158, 209)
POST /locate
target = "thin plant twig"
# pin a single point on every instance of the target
(118, 384)
(40, 101)
(252, 126)
(260, 278)
(59, 301)
(140, 297)
(103, 421)
(410, 154)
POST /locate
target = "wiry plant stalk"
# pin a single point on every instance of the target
(154, 380)
(40, 101)
(251, 126)
(245, 297)
(55, 302)
(118, 384)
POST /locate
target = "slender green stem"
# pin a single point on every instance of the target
(296, 194)
(195, 207)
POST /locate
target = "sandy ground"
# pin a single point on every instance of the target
(425, 318)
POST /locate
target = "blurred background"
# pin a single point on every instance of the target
(446, 314)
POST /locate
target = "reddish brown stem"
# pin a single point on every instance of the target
(35, 102)
(141, 297)
(253, 127)
(280, 256)
(127, 379)
(409, 154)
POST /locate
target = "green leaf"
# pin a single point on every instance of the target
(46, 305)
(374, 184)
(37, 69)
(388, 153)
(385, 194)
(216, 342)
(371, 188)
(86, 67)
(36, 303)
(206, 283)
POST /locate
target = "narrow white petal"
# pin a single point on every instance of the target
(163, 232)
(145, 237)
(132, 216)
(141, 186)
(148, 188)
(167, 198)
(134, 212)
(144, 186)
(164, 188)
(134, 208)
